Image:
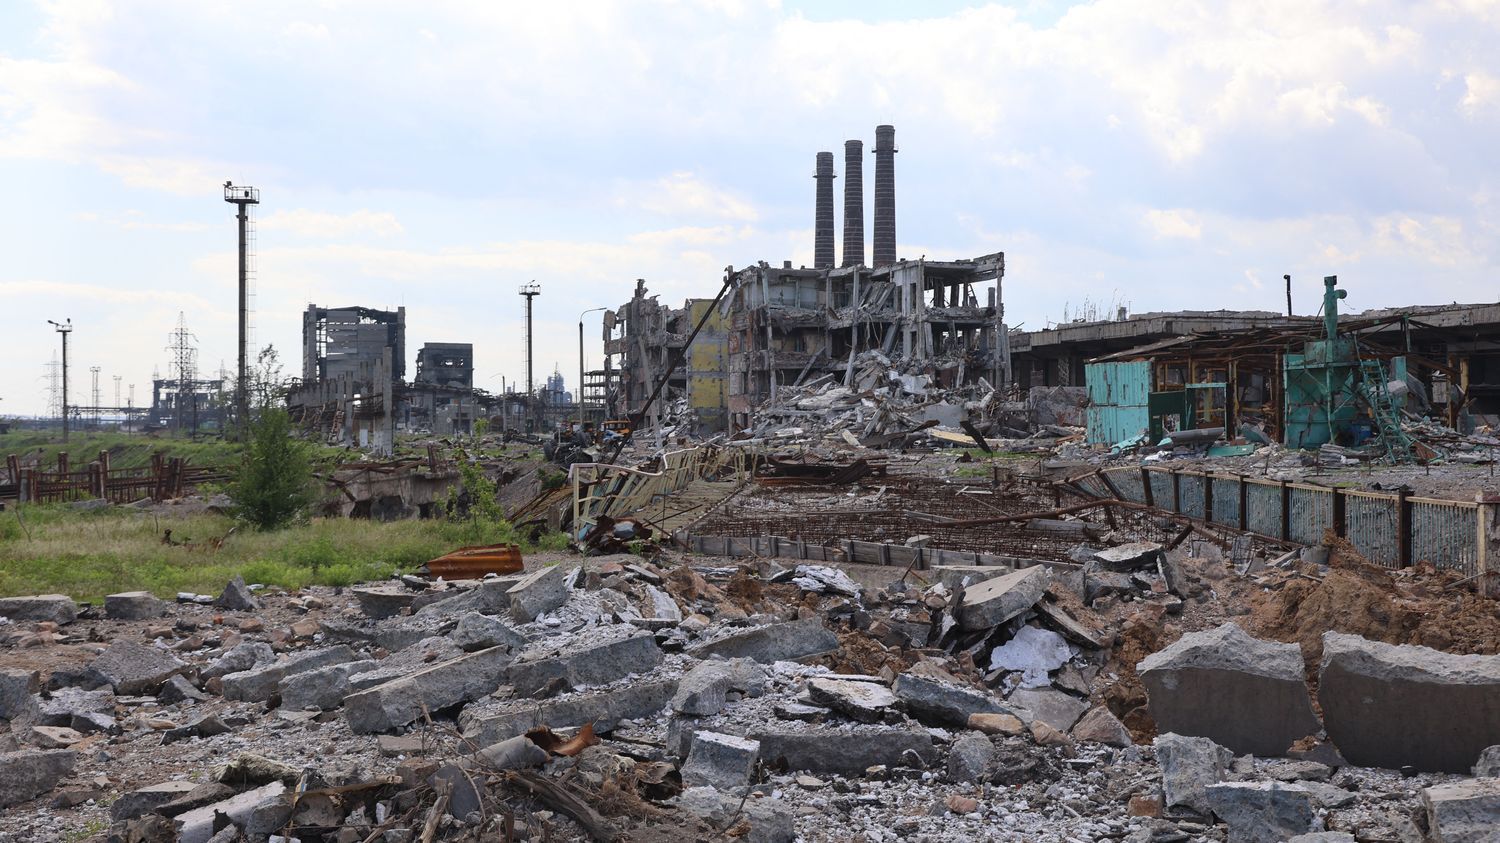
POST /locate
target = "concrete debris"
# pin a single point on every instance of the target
(132, 668)
(996, 601)
(1396, 706)
(53, 608)
(944, 703)
(238, 597)
(18, 696)
(969, 757)
(1033, 651)
(179, 689)
(866, 701)
(1245, 694)
(1053, 707)
(480, 632)
(823, 580)
(404, 700)
(767, 819)
(1188, 766)
(1463, 811)
(773, 642)
(261, 683)
(1261, 811)
(544, 671)
(830, 750)
(725, 762)
(1488, 765)
(538, 593)
(29, 773)
(133, 606)
(1101, 726)
(148, 799)
(705, 689)
(323, 688)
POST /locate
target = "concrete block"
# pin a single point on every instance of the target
(29, 773)
(261, 683)
(996, 601)
(401, 701)
(944, 703)
(477, 631)
(605, 710)
(1261, 811)
(720, 761)
(1053, 707)
(197, 825)
(57, 608)
(18, 702)
(323, 688)
(148, 799)
(178, 689)
(238, 597)
(771, 820)
(133, 606)
(838, 751)
(775, 642)
(1188, 766)
(539, 592)
(1101, 726)
(1395, 706)
(867, 702)
(1488, 765)
(387, 601)
(490, 597)
(595, 666)
(1243, 693)
(1464, 811)
(133, 669)
(969, 757)
(243, 656)
(704, 690)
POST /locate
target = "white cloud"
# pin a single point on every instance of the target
(1175, 222)
(686, 194)
(328, 226)
(1481, 92)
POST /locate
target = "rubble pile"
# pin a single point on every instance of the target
(616, 698)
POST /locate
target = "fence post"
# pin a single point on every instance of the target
(62, 463)
(1485, 513)
(1176, 491)
(1340, 519)
(1286, 511)
(1244, 517)
(1403, 529)
(96, 480)
(1208, 498)
(1146, 492)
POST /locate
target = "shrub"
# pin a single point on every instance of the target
(274, 484)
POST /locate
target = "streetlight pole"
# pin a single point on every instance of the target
(65, 327)
(582, 410)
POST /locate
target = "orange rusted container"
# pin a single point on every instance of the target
(474, 562)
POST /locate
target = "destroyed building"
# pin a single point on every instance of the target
(441, 395)
(353, 358)
(640, 338)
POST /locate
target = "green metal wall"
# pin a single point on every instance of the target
(1118, 394)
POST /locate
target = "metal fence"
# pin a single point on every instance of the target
(1389, 528)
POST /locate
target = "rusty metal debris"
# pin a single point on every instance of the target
(475, 561)
(774, 471)
(556, 744)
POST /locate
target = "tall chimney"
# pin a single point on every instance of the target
(823, 213)
(885, 195)
(854, 203)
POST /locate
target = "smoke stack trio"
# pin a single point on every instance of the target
(884, 238)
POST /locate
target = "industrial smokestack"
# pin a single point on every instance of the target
(854, 203)
(823, 213)
(885, 195)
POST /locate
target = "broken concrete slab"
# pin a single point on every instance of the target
(789, 641)
(69, 706)
(490, 597)
(866, 702)
(1131, 556)
(1033, 651)
(387, 601)
(57, 608)
(1260, 811)
(1053, 707)
(53, 737)
(1188, 765)
(148, 799)
(238, 597)
(323, 688)
(477, 631)
(720, 761)
(1323, 837)
(28, 773)
(402, 701)
(594, 666)
(243, 656)
(1488, 765)
(705, 689)
(18, 702)
(261, 683)
(834, 750)
(178, 689)
(770, 820)
(539, 592)
(197, 825)
(663, 607)
(605, 709)
(513, 753)
(945, 703)
(133, 669)
(1463, 811)
(996, 601)
(1393, 706)
(133, 606)
(414, 658)
(1245, 694)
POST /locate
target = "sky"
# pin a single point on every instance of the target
(1150, 153)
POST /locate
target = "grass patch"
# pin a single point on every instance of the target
(90, 554)
(134, 450)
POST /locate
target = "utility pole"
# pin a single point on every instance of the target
(65, 327)
(242, 197)
(1288, 294)
(94, 371)
(582, 409)
(530, 291)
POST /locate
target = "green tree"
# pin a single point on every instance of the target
(274, 485)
